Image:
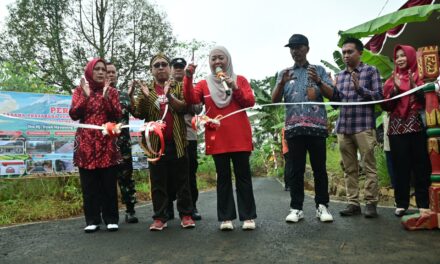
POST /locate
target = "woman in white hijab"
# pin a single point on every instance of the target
(232, 140)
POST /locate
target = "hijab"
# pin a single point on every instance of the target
(215, 86)
(88, 74)
(405, 103)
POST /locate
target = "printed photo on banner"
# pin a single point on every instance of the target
(12, 167)
(38, 147)
(63, 166)
(11, 147)
(39, 167)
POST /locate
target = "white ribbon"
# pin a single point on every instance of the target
(141, 128)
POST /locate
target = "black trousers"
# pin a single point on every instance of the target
(193, 165)
(170, 171)
(288, 169)
(127, 184)
(243, 182)
(316, 147)
(100, 195)
(410, 155)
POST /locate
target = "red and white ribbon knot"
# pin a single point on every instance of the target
(207, 122)
(157, 128)
(111, 129)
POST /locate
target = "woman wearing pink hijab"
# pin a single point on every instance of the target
(406, 131)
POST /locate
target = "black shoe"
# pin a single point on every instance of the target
(351, 210)
(196, 215)
(370, 211)
(131, 218)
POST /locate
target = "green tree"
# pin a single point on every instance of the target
(36, 34)
(19, 78)
(270, 120)
(126, 33)
(267, 124)
(59, 36)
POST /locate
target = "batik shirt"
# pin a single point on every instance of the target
(304, 120)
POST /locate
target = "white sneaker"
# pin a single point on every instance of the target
(112, 227)
(248, 225)
(226, 225)
(323, 214)
(295, 215)
(91, 228)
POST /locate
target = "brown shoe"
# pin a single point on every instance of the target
(351, 210)
(370, 211)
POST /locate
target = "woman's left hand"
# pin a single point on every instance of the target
(412, 83)
(105, 90)
(231, 83)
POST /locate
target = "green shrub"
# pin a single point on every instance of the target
(206, 165)
(381, 166)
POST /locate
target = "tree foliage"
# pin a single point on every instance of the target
(127, 33)
(36, 35)
(267, 125)
(195, 50)
(22, 79)
(270, 120)
(59, 36)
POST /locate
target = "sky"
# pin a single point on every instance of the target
(255, 31)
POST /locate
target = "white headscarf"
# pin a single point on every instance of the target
(216, 89)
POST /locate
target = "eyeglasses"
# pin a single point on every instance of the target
(160, 64)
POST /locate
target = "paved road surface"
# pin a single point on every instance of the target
(346, 240)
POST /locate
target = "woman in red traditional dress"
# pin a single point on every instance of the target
(406, 131)
(96, 155)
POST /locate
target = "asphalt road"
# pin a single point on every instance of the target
(346, 240)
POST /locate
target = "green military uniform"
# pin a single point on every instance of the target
(126, 183)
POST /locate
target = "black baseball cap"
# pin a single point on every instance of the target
(296, 40)
(178, 61)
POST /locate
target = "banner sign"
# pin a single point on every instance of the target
(28, 147)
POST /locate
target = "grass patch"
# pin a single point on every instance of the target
(45, 208)
(334, 157)
(29, 200)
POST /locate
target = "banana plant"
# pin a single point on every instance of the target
(270, 120)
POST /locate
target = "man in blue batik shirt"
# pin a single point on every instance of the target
(306, 127)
